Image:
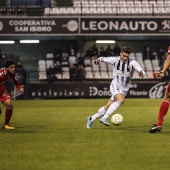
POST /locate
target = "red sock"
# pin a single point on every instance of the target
(162, 112)
(8, 114)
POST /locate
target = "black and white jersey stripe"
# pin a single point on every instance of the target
(122, 72)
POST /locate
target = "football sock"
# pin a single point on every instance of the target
(162, 112)
(112, 108)
(8, 114)
(100, 113)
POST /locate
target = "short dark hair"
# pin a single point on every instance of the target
(126, 49)
(9, 62)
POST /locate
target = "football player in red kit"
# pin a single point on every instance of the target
(7, 73)
(165, 103)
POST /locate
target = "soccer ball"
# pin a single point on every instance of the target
(117, 119)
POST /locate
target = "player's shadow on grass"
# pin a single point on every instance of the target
(140, 129)
(143, 129)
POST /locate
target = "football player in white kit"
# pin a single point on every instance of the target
(123, 69)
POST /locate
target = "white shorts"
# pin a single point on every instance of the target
(116, 89)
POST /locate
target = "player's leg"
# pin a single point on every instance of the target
(162, 111)
(119, 99)
(92, 118)
(2, 97)
(99, 113)
(8, 114)
(102, 110)
(6, 100)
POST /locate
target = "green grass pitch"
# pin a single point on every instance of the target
(52, 134)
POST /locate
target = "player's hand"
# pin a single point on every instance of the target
(159, 75)
(97, 61)
(141, 74)
(22, 90)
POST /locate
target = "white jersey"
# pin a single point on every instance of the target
(122, 72)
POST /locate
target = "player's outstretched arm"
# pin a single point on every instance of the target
(166, 65)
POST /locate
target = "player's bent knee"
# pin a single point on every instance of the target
(121, 101)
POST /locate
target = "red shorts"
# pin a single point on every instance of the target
(4, 95)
